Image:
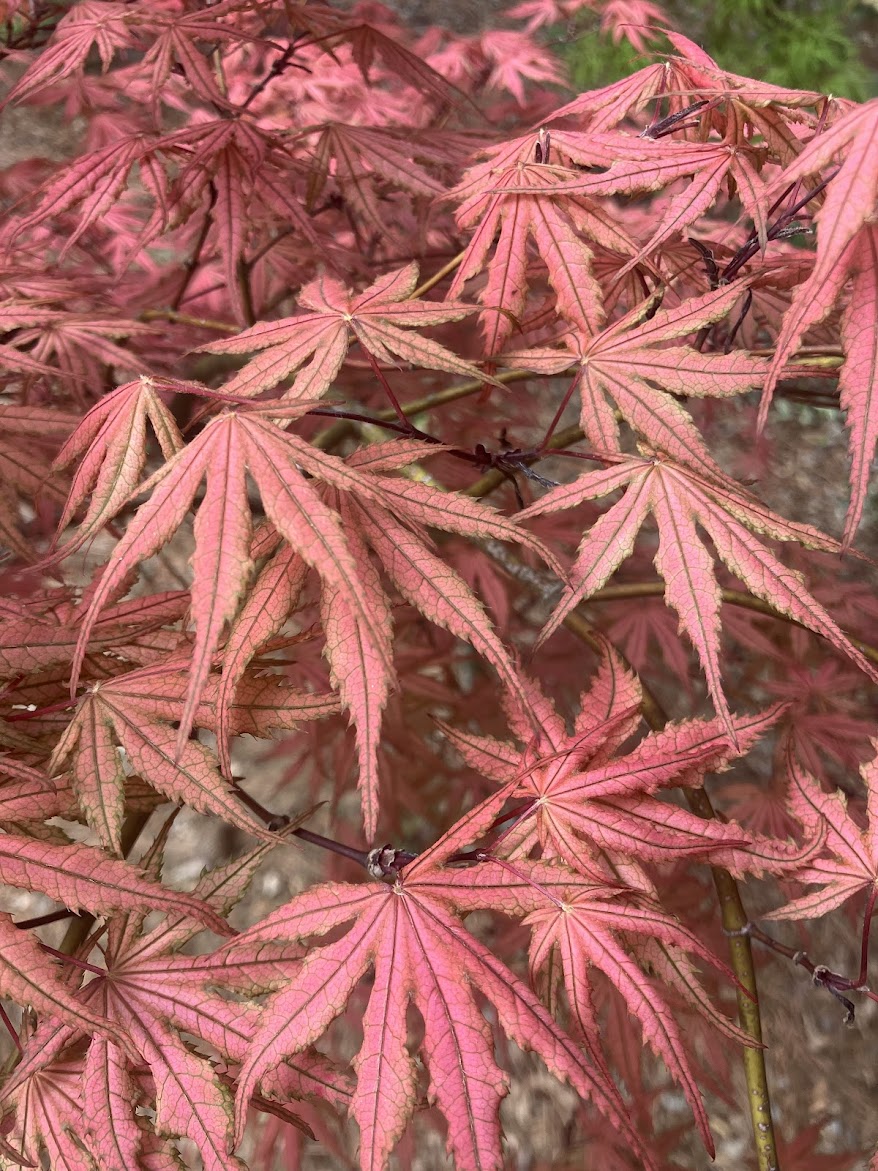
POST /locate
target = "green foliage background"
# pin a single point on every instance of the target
(825, 45)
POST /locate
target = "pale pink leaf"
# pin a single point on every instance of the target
(858, 379)
(358, 667)
(690, 586)
(82, 877)
(438, 592)
(28, 976)
(221, 564)
(271, 599)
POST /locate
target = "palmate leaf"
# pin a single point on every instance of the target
(221, 161)
(24, 466)
(82, 877)
(110, 443)
(680, 500)
(581, 814)
(585, 925)
(177, 41)
(609, 713)
(96, 180)
(603, 109)
(624, 361)
(661, 163)
(223, 452)
(77, 1112)
(93, 24)
(438, 592)
(849, 204)
(581, 802)
(681, 78)
(411, 937)
(490, 196)
(79, 346)
(358, 648)
(136, 711)
(590, 811)
(389, 515)
(42, 636)
(357, 156)
(79, 877)
(849, 862)
(163, 994)
(847, 245)
(272, 598)
(190, 1098)
(31, 795)
(858, 377)
(29, 978)
(378, 318)
(44, 1110)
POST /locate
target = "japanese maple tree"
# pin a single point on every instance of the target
(407, 473)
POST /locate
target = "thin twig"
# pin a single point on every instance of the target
(192, 263)
(338, 432)
(437, 276)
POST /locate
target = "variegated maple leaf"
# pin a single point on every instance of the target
(849, 861)
(625, 362)
(77, 346)
(710, 164)
(136, 712)
(491, 196)
(357, 619)
(587, 809)
(27, 794)
(223, 453)
(110, 443)
(515, 59)
(43, 634)
(92, 24)
(358, 157)
(409, 934)
(82, 877)
(97, 181)
(378, 318)
(728, 103)
(388, 515)
(680, 499)
(637, 21)
(160, 994)
(576, 926)
(79, 877)
(177, 43)
(847, 246)
(24, 467)
(580, 802)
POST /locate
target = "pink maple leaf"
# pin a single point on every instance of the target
(624, 362)
(378, 318)
(849, 861)
(410, 935)
(678, 499)
(92, 24)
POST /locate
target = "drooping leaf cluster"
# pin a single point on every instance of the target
(298, 292)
